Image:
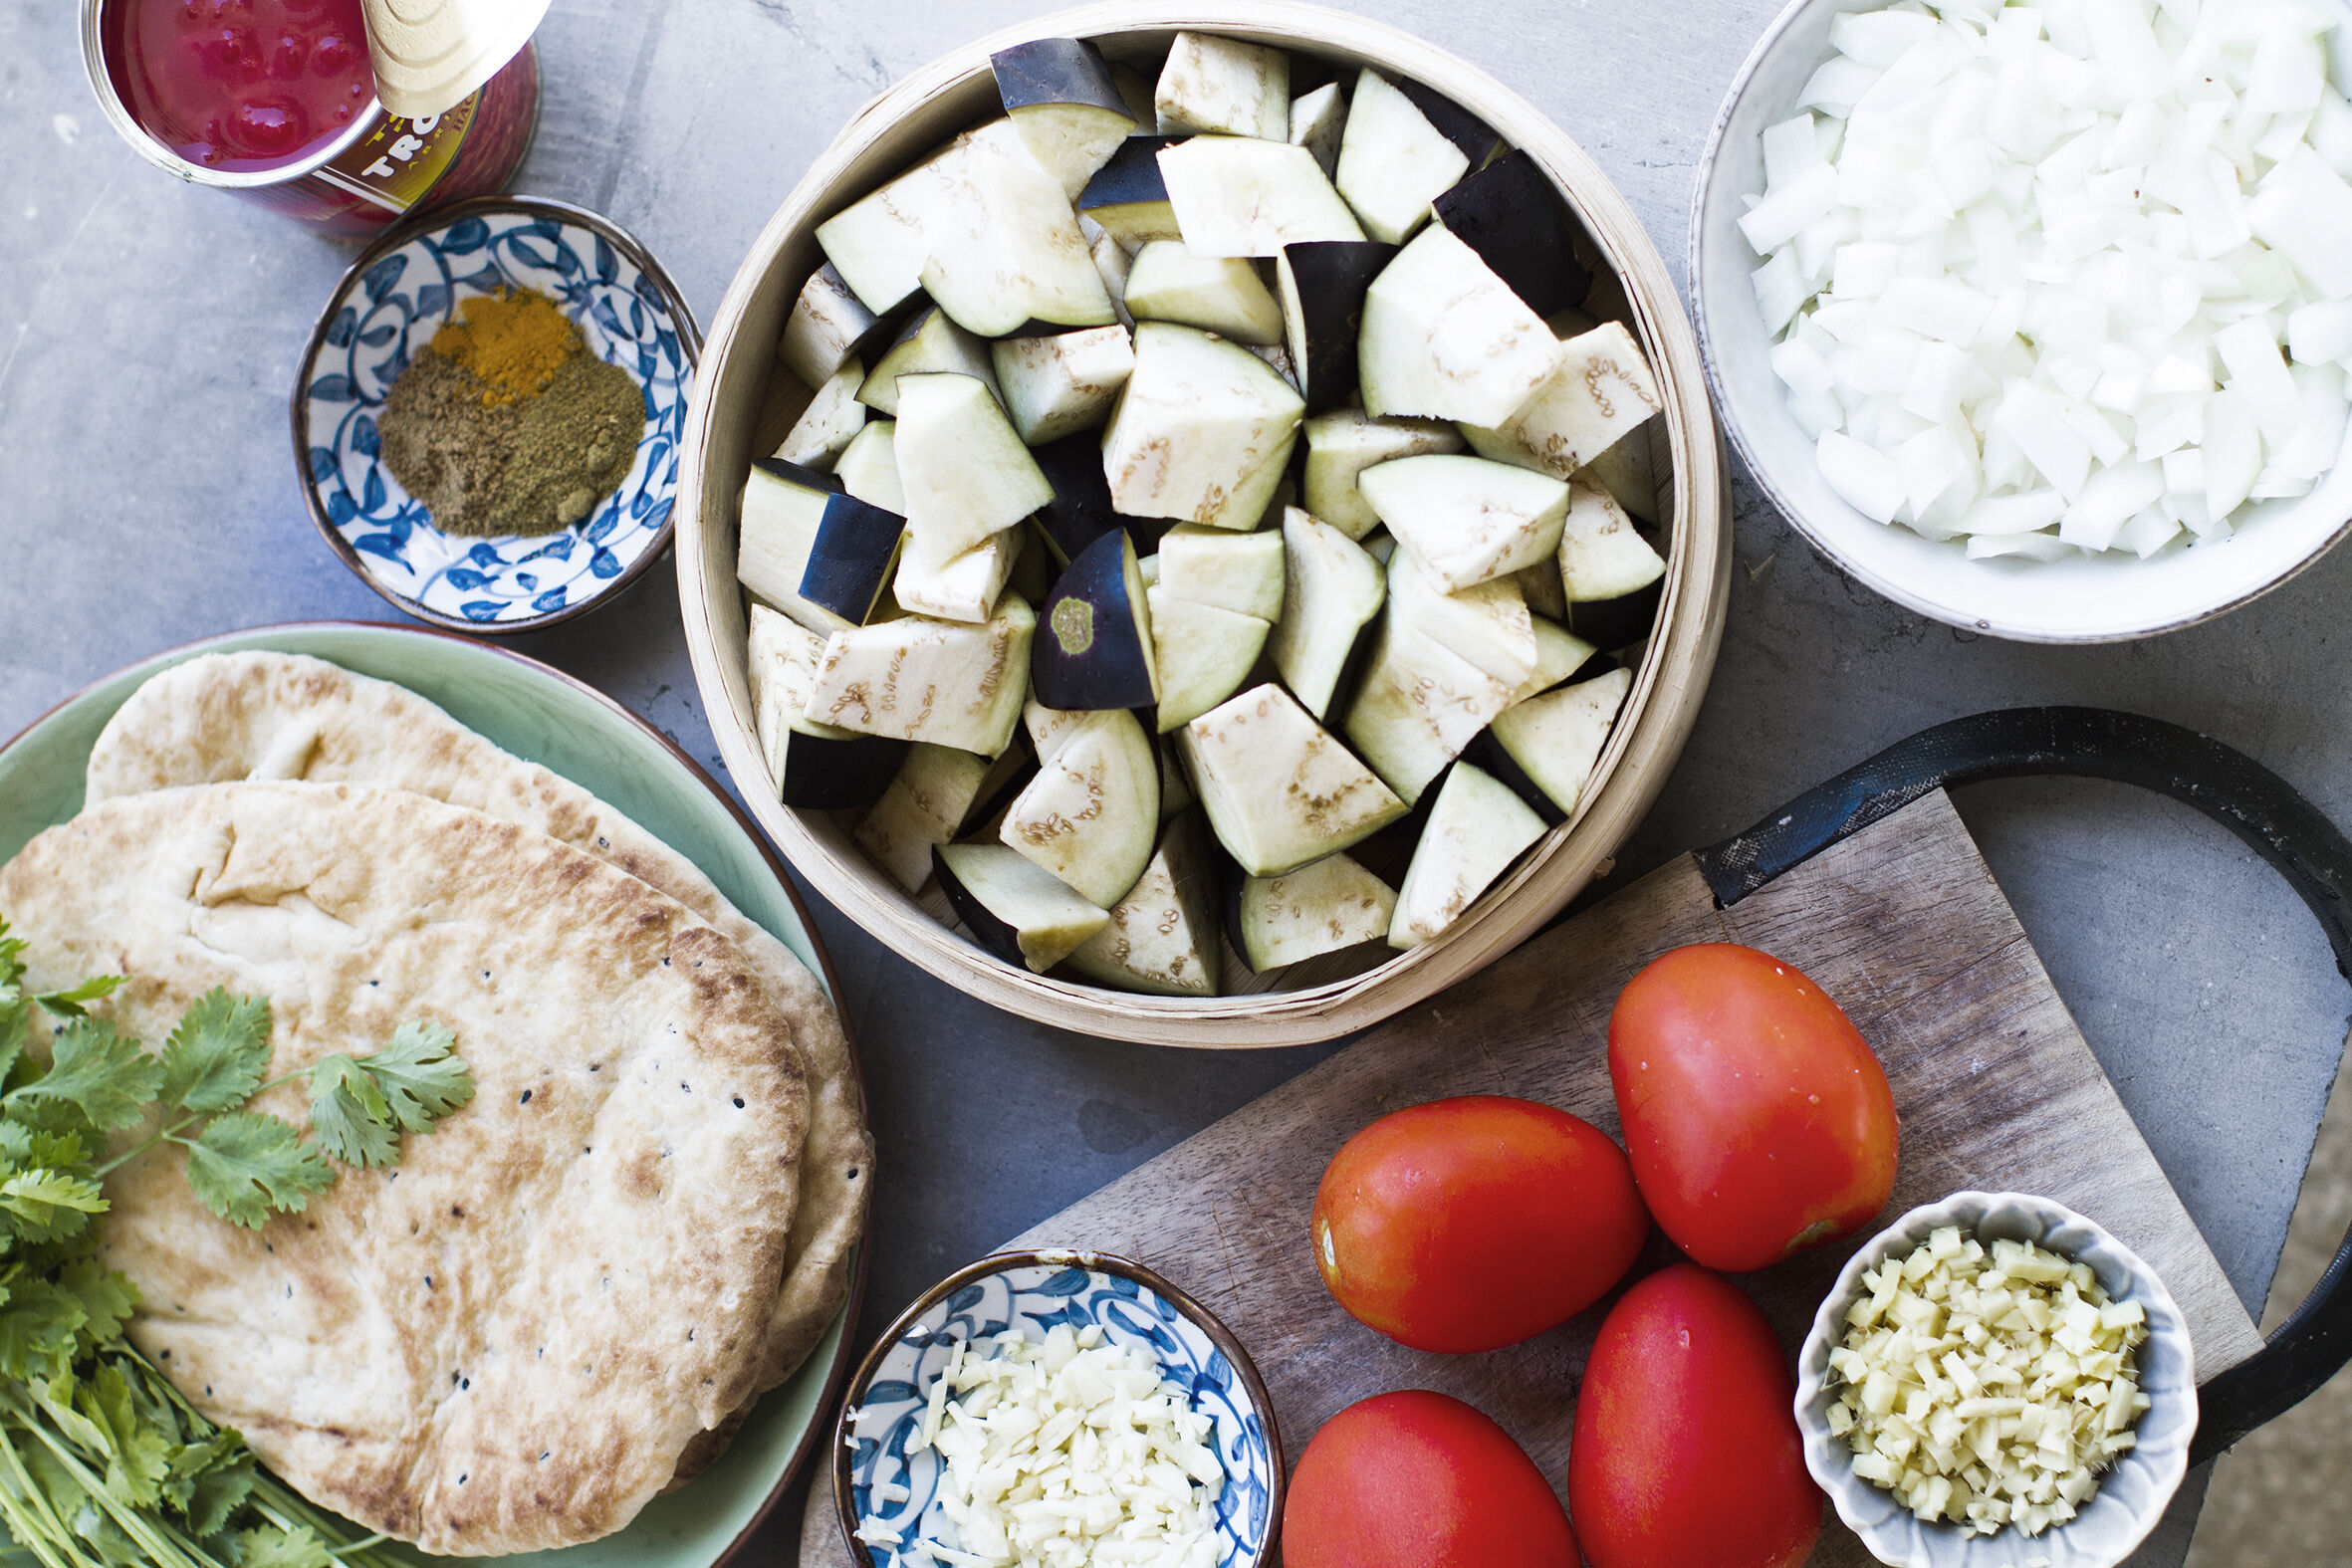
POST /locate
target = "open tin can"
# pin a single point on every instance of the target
(351, 181)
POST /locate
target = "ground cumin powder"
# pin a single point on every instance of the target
(507, 425)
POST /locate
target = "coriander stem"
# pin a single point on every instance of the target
(46, 1525)
(166, 1134)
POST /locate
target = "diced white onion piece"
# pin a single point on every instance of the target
(2320, 332)
(1870, 482)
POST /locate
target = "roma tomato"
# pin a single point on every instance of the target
(1472, 1223)
(1687, 1454)
(1757, 1119)
(1420, 1480)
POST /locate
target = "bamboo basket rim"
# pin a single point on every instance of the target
(1650, 733)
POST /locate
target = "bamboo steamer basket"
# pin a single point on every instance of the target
(747, 402)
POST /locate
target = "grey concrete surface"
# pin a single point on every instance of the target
(149, 333)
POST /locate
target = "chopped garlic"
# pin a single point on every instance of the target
(1987, 1389)
(1063, 1454)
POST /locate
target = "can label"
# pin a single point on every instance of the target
(394, 165)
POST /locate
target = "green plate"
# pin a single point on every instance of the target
(541, 714)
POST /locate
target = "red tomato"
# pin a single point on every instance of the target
(1687, 1454)
(1472, 1223)
(1419, 1481)
(1758, 1121)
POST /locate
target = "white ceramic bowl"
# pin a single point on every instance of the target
(2083, 600)
(2131, 1498)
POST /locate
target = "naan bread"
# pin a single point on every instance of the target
(504, 1343)
(234, 716)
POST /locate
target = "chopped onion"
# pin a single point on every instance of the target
(2065, 278)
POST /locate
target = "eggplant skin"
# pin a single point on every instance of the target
(1089, 649)
(821, 773)
(1132, 175)
(1331, 279)
(1610, 624)
(1511, 214)
(991, 932)
(1048, 70)
(1456, 125)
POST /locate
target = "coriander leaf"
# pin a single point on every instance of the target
(421, 1081)
(103, 1074)
(45, 1205)
(12, 951)
(275, 1549)
(220, 1053)
(106, 1299)
(349, 1115)
(245, 1164)
(210, 1481)
(16, 1028)
(38, 1330)
(138, 1456)
(68, 1003)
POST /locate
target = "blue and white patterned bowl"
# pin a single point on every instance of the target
(383, 312)
(1033, 1292)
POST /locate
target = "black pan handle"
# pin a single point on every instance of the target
(2235, 791)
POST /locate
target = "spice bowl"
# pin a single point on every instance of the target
(385, 311)
(2132, 1496)
(877, 1483)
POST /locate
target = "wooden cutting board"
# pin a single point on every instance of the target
(1902, 924)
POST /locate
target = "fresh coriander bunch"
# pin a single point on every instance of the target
(102, 1462)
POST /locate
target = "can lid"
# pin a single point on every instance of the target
(429, 54)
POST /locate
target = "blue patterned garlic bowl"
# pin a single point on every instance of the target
(888, 1484)
(387, 309)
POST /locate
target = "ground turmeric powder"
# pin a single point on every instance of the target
(513, 341)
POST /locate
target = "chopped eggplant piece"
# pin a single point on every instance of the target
(1218, 294)
(1280, 788)
(1444, 338)
(1050, 729)
(818, 555)
(1134, 88)
(1323, 285)
(1092, 812)
(1080, 512)
(929, 344)
(1341, 444)
(1626, 472)
(1602, 555)
(1021, 914)
(1162, 939)
(1420, 704)
(1005, 247)
(1059, 385)
(1063, 101)
(1175, 786)
(1223, 86)
(1456, 125)
(1328, 907)
(1318, 120)
(1559, 656)
(830, 423)
(1477, 828)
(1465, 519)
(880, 245)
(868, 467)
(1516, 219)
(1488, 625)
(1096, 650)
(1113, 260)
(946, 682)
(1204, 653)
(923, 809)
(1202, 433)
(962, 588)
(1234, 196)
(964, 469)
(1332, 589)
(1393, 163)
(826, 329)
(1487, 754)
(1540, 585)
(1128, 198)
(1556, 737)
(1034, 566)
(1617, 624)
(814, 767)
(1600, 394)
(1242, 572)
